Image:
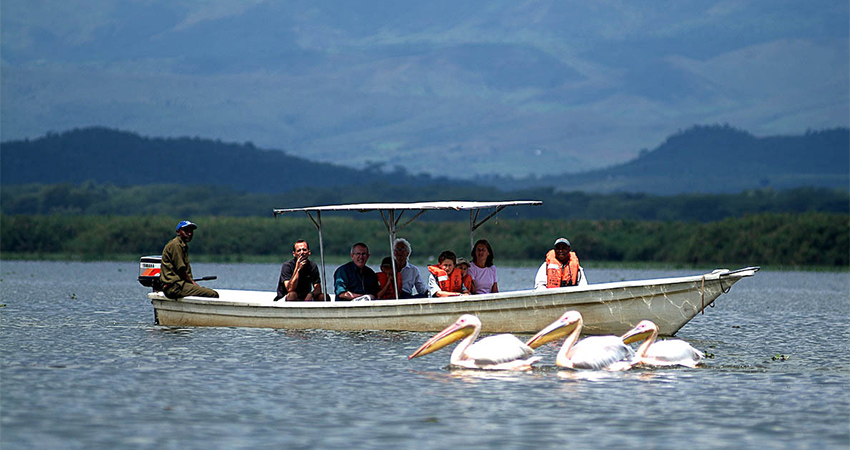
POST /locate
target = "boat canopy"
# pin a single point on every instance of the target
(392, 213)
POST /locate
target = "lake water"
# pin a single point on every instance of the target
(83, 366)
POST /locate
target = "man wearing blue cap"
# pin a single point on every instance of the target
(175, 271)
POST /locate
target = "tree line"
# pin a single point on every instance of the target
(90, 198)
(778, 239)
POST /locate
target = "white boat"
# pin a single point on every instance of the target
(607, 308)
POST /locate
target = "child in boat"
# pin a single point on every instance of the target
(385, 277)
(446, 279)
(463, 265)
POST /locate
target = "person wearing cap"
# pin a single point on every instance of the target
(561, 268)
(463, 266)
(299, 277)
(175, 270)
(446, 279)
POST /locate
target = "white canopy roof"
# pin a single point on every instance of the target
(455, 205)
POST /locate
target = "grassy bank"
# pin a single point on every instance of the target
(335, 261)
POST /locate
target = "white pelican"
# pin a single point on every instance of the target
(594, 352)
(670, 352)
(499, 352)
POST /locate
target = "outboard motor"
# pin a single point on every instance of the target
(149, 267)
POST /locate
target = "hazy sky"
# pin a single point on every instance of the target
(461, 88)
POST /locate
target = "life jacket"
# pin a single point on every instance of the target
(449, 283)
(555, 273)
(467, 283)
(382, 281)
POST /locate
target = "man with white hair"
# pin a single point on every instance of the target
(411, 279)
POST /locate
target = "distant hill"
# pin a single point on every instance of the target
(122, 158)
(703, 159)
(721, 159)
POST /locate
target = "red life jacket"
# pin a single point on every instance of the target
(449, 283)
(556, 273)
(382, 281)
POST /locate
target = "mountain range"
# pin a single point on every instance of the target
(456, 89)
(702, 159)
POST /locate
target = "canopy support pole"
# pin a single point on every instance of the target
(473, 225)
(391, 222)
(318, 225)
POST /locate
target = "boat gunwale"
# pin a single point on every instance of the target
(464, 299)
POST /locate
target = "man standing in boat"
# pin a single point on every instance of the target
(175, 270)
(355, 279)
(560, 269)
(299, 277)
(410, 277)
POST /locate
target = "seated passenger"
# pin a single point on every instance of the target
(482, 270)
(560, 269)
(463, 265)
(355, 279)
(446, 279)
(299, 277)
(411, 279)
(385, 277)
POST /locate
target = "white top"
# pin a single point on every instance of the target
(411, 278)
(483, 278)
(433, 284)
(540, 278)
(455, 205)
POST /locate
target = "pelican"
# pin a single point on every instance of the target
(669, 352)
(499, 352)
(595, 352)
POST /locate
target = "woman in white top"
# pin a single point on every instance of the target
(482, 270)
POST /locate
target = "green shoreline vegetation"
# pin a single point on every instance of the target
(809, 241)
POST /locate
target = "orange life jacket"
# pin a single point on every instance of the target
(555, 273)
(382, 281)
(467, 283)
(449, 283)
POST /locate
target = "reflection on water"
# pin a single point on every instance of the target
(91, 370)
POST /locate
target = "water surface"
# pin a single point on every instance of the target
(83, 366)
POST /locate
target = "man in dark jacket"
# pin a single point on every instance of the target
(175, 271)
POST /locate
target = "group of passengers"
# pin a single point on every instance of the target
(398, 278)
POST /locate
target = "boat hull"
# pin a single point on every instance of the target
(607, 308)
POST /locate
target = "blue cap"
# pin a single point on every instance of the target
(185, 223)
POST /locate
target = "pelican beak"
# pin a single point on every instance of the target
(556, 330)
(451, 334)
(636, 334)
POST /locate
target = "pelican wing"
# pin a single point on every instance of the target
(672, 352)
(599, 352)
(498, 349)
